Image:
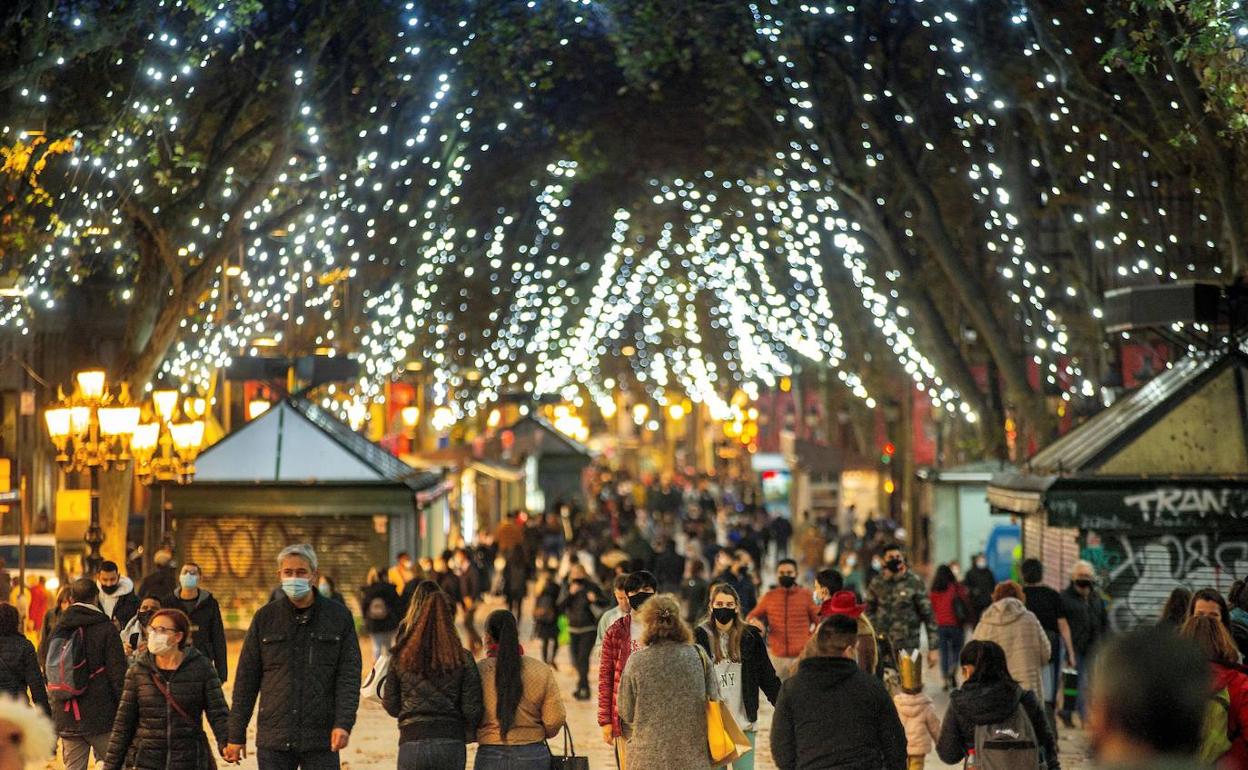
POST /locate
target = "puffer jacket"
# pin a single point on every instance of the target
(985, 704)
(1234, 679)
(1010, 624)
(918, 718)
(150, 734)
(446, 706)
(617, 645)
(92, 713)
(207, 627)
(19, 671)
(305, 674)
(789, 614)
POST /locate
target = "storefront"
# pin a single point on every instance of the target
(1153, 491)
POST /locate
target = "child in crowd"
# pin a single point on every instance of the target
(918, 715)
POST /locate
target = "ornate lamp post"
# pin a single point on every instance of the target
(165, 450)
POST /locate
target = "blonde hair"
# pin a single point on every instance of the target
(735, 632)
(661, 617)
(38, 736)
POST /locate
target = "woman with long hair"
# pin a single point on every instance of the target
(951, 605)
(663, 693)
(989, 695)
(1215, 641)
(434, 690)
(169, 690)
(1209, 602)
(1174, 612)
(522, 703)
(742, 665)
(420, 591)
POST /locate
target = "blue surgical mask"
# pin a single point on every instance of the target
(189, 581)
(325, 590)
(296, 588)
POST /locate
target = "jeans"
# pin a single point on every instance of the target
(1052, 673)
(381, 642)
(433, 754)
(951, 640)
(532, 756)
(1080, 703)
(582, 651)
(272, 759)
(746, 762)
(76, 749)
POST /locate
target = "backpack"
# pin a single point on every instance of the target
(1215, 738)
(378, 609)
(67, 673)
(1007, 745)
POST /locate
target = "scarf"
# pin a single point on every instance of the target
(491, 650)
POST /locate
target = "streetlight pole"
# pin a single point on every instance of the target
(95, 534)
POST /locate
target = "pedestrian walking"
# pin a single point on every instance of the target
(899, 606)
(515, 579)
(117, 597)
(521, 700)
(19, 664)
(615, 612)
(1089, 623)
(1149, 701)
(695, 591)
(169, 691)
(845, 603)
(833, 714)
(85, 641)
(582, 602)
(471, 588)
(663, 693)
(414, 596)
(623, 638)
(736, 573)
(1009, 623)
(402, 573)
(1048, 607)
(329, 589)
(301, 659)
(742, 666)
(379, 603)
(952, 607)
(1219, 649)
(787, 613)
(979, 582)
(134, 635)
(163, 579)
(990, 698)
(207, 626)
(546, 615)
(38, 604)
(434, 690)
(51, 619)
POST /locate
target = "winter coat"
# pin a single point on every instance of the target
(390, 597)
(162, 581)
(444, 706)
(984, 704)
(1010, 624)
(757, 672)
(831, 714)
(578, 607)
(207, 627)
(92, 713)
(669, 568)
(789, 614)
(918, 718)
(20, 672)
(899, 607)
(304, 669)
(122, 604)
(695, 593)
(540, 714)
(1234, 679)
(868, 646)
(1088, 619)
(616, 649)
(662, 707)
(49, 625)
(150, 734)
(546, 612)
(942, 605)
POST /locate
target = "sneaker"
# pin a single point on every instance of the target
(1066, 720)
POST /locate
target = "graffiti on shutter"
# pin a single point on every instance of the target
(1138, 571)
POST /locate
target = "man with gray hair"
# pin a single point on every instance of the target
(1089, 623)
(301, 658)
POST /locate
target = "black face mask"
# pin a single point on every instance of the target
(110, 590)
(1083, 583)
(636, 600)
(145, 616)
(723, 615)
(787, 581)
(895, 565)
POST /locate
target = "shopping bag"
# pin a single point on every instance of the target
(725, 738)
(569, 760)
(371, 689)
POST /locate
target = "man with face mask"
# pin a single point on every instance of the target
(207, 627)
(899, 605)
(117, 597)
(786, 614)
(301, 658)
(1089, 621)
(621, 641)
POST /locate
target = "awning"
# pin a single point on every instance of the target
(498, 471)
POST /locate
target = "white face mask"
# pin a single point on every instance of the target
(160, 644)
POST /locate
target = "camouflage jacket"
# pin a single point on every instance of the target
(898, 606)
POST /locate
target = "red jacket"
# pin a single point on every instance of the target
(942, 604)
(617, 645)
(789, 614)
(1235, 680)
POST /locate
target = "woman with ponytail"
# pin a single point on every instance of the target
(523, 706)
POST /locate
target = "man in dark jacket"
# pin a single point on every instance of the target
(84, 723)
(1089, 622)
(117, 597)
(979, 582)
(583, 602)
(301, 657)
(161, 581)
(207, 628)
(831, 714)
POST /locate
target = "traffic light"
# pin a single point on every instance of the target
(887, 452)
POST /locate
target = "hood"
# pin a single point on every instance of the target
(124, 586)
(78, 615)
(984, 704)
(911, 705)
(1004, 612)
(827, 672)
(204, 595)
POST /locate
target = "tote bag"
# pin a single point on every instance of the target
(724, 737)
(371, 689)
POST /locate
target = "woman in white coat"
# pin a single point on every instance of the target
(1009, 623)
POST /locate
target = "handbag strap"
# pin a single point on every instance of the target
(169, 697)
(569, 748)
